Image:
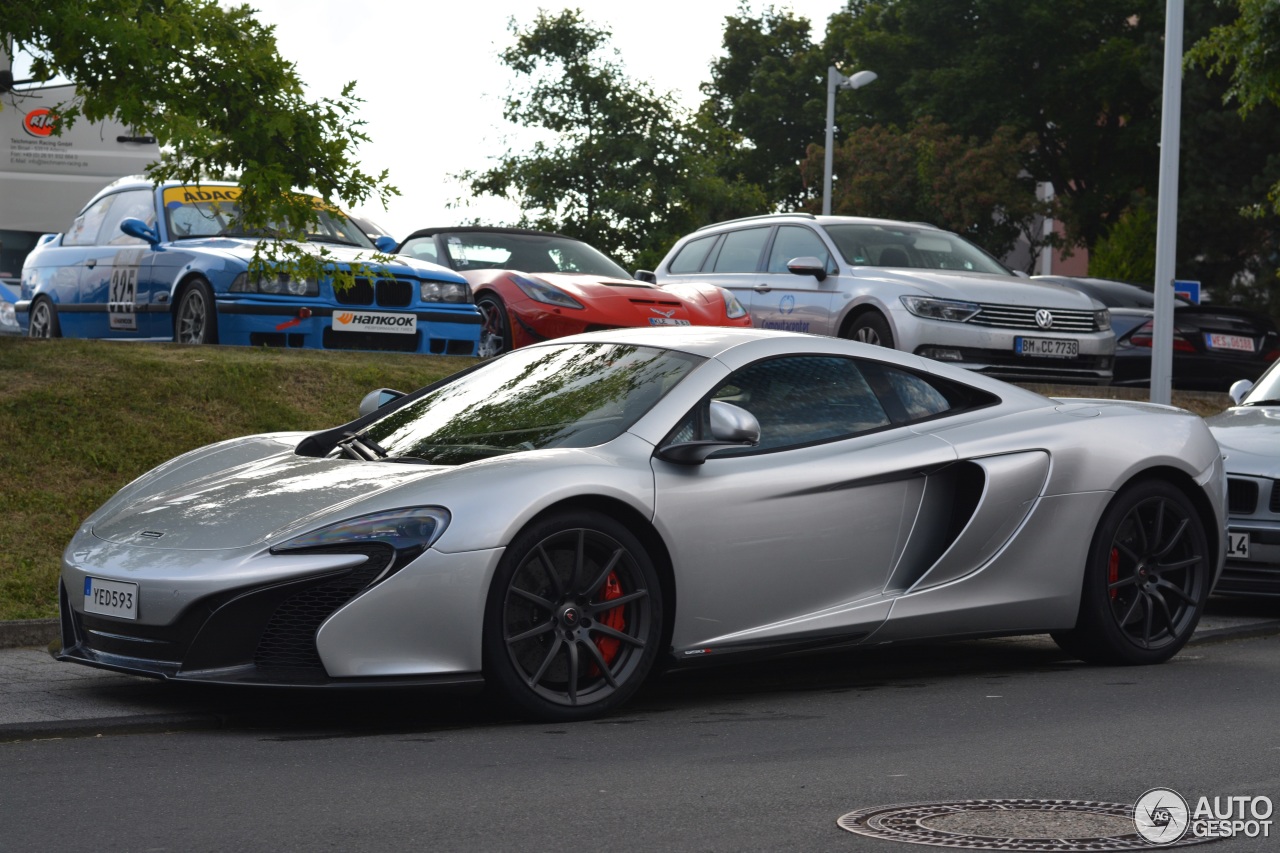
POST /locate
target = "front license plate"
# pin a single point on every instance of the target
(111, 598)
(1046, 347)
(667, 321)
(1237, 545)
(1239, 343)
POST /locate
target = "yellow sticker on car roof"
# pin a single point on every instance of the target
(197, 194)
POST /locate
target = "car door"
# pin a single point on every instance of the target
(802, 536)
(784, 300)
(733, 261)
(122, 270)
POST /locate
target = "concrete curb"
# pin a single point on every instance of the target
(28, 632)
(140, 724)
(204, 721)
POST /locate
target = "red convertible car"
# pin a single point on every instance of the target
(533, 285)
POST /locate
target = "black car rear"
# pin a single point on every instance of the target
(1213, 345)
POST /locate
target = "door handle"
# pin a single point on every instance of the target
(91, 263)
(762, 288)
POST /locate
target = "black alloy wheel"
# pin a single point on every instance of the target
(43, 321)
(1147, 579)
(495, 331)
(195, 321)
(574, 618)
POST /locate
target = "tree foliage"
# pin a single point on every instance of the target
(769, 89)
(210, 84)
(611, 162)
(929, 173)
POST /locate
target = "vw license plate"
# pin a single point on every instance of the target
(1046, 347)
(111, 598)
(1237, 545)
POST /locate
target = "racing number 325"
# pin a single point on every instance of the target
(123, 295)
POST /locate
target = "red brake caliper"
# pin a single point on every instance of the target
(1113, 570)
(614, 618)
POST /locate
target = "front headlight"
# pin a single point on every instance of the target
(540, 291)
(444, 291)
(1102, 320)
(415, 527)
(951, 310)
(732, 307)
(280, 284)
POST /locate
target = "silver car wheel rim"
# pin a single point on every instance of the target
(191, 319)
(575, 617)
(867, 335)
(493, 330)
(41, 321)
(1155, 574)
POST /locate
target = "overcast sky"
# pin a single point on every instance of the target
(433, 84)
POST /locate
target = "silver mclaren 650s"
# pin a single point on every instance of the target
(558, 522)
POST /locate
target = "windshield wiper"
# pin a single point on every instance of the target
(365, 449)
(321, 238)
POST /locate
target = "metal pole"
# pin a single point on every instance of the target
(1167, 207)
(834, 78)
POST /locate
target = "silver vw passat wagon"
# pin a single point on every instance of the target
(910, 286)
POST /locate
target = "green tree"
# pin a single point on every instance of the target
(769, 89)
(614, 163)
(210, 84)
(929, 173)
(1128, 252)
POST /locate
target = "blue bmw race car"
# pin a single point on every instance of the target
(167, 262)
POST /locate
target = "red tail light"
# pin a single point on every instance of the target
(1143, 337)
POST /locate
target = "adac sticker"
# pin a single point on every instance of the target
(39, 122)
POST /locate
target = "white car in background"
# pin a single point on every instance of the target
(905, 285)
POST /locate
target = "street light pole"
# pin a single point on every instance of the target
(836, 80)
(1167, 207)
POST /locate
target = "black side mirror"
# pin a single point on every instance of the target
(808, 265)
(647, 276)
(375, 400)
(731, 426)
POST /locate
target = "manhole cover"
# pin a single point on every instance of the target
(1063, 825)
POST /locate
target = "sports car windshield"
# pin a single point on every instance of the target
(873, 245)
(193, 212)
(532, 253)
(576, 395)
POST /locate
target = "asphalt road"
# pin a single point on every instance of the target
(762, 758)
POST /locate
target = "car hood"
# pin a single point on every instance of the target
(1250, 439)
(249, 504)
(242, 248)
(594, 287)
(980, 287)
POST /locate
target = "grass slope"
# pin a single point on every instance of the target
(80, 419)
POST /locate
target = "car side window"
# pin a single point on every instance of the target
(796, 241)
(422, 248)
(135, 204)
(692, 255)
(805, 399)
(84, 231)
(741, 250)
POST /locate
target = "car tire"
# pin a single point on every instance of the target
(42, 320)
(1146, 581)
(871, 328)
(556, 647)
(195, 320)
(495, 333)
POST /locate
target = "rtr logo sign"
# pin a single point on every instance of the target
(39, 122)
